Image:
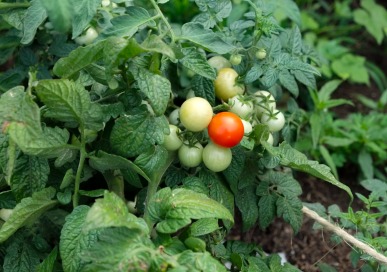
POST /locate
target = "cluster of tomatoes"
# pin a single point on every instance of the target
(222, 130)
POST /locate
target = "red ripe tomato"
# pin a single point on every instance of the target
(226, 129)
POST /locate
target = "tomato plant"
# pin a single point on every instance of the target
(226, 85)
(105, 108)
(226, 129)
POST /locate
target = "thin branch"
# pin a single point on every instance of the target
(345, 235)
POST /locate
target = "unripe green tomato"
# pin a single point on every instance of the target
(248, 128)
(195, 114)
(174, 117)
(219, 62)
(241, 107)
(5, 214)
(190, 156)
(172, 141)
(264, 101)
(89, 37)
(261, 54)
(105, 3)
(274, 120)
(226, 85)
(216, 158)
(236, 59)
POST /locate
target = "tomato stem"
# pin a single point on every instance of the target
(82, 158)
(154, 184)
(14, 5)
(115, 183)
(160, 13)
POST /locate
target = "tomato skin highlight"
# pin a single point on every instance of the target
(226, 129)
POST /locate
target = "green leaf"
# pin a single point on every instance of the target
(254, 73)
(315, 122)
(197, 62)
(113, 55)
(373, 17)
(289, 8)
(28, 211)
(328, 159)
(111, 211)
(234, 171)
(246, 201)
(122, 248)
(103, 161)
(60, 13)
(49, 143)
(327, 89)
(49, 262)
(351, 67)
(153, 162)
(156, 88)
(366, 163)
(290, 210)
(30, 175)
(267, 210)
(79, 59)
(200, 261)
(132, 134)
(203, 226)
(7, 200)
(182, 206)
(67, 101)
(155, 44)
(34, 17)
(204, 87)
(296, 160)
(336, 141)
(306, 78)
(284, 183)
(127, 25)
(21, 255)
(73, 240)
(84, 12)
(212, 14)
(206, 38)
(289, 82)
(218, 191)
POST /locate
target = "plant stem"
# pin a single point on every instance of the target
(173, 38)
(115, 183)
(14, 5)
(345, 235)
(82, 158)
(154, 184)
